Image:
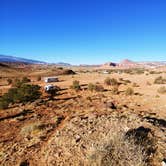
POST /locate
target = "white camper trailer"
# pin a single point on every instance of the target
(50, 79)
(105, 72)
(49, 87)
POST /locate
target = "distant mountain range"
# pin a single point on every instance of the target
(12, 59)
(126, 63)
(62, 64)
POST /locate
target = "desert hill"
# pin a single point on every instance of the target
(12, 59)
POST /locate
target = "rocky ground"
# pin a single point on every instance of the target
(87, 128)
(75, 129)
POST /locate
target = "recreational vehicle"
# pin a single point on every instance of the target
(50, 79)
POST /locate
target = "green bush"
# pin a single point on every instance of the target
(21, 94)
(28, 93)
(18, 83)
(129, 91)
(76, 85)
(25, 80)
(3, 104)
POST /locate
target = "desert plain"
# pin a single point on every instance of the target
(100, 123)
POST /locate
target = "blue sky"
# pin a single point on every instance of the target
(83, 31)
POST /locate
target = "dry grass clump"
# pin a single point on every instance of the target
(30, 129)
(129, 91)
(121, 151)
(95, 87)
(76, 85)
(162, 90)
(135, 85)
(102, 141)
(115, 90)
(124, 81)
(111, 81)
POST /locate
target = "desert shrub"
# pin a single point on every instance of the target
(123, 153)
(118, 151)
(157, 96)
(139, 71)
(76, 85)
(162, 90)
(33, 129)
(17, 83)
(28, 93)
(111, 81)
(160, 80)
(91, 87)
(155, 72)
(129, 91)
(120, 79)
(152, 72)
(114, 81)
(107, 81)
(135, 85)
(89, 98)
(127, 81)
(95, 87)
(148, 83)
(128, 71)
(60, 68)
(134, 71)
(99, 88)
(21, 94)
(3, 104)
(38, 78)
(115, 90)
(68, 72)
(9, 81)
(25, 80)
